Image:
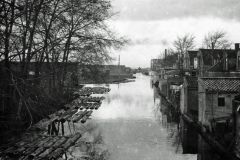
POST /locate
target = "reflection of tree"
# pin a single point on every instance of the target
(91, 146)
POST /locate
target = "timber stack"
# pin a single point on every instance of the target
(46, 139)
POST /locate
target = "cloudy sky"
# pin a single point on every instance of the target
(152, 25)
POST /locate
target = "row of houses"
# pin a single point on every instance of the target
(204, 86)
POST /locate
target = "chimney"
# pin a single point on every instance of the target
(236, 47)
(212, 54)
(165, 58)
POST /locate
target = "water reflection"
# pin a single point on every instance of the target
(133, 127)
(91, 145)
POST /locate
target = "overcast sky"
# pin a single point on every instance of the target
(152, 25)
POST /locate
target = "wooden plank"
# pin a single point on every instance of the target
(55, 145)
(89, 113)
(59, 142)
(79, 113)
(64, 147)
(84, 119)
(67, 114)
(92, 106)
(51, 142)
(28, 151)
(45, 153)
(79, 116)
(97, 106)
(43, 141)
(37, 152)
(20, 146)
(45, 123)
(28, 139)
(57, 153)
(60, 112)
(187, 118)
(88, 105)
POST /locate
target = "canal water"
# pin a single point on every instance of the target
(131, 125)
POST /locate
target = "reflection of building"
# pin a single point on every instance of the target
(209, 100)
(236, 125)
(189, 107)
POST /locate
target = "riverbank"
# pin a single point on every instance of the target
(110, 80)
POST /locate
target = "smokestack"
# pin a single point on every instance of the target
(236, 47)
(119, 60)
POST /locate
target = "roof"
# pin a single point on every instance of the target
(222, 84)
(192, 82)
(172, 72)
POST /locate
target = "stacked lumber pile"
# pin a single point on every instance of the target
(79, 110)
(87, 91)
(53, 146)
(38, 146)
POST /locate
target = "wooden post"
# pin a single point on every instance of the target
(62, 128)
(49, 129)
(54, 130)
(58, 128)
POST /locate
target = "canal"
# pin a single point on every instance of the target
(131, 125)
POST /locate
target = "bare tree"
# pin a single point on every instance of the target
(38, 40)
(184, 43)
(216, 40)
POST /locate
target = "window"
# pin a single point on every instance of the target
(226, 63)
(195, 63)
(194, 74)
(225, 66)
(221, 101)
(238, 62)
